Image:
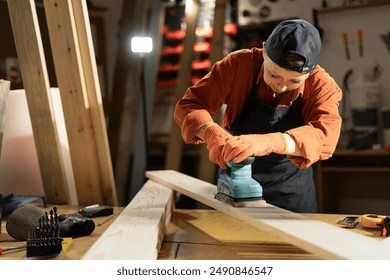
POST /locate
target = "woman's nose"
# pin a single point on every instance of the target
(282, 87)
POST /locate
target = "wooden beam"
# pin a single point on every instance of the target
(82, 112)
(4, 93)
(139, 230)
(36, 83)
(94, 96)
(324, 240)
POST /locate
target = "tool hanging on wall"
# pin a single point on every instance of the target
(360, 41)
(386, 39)
(315, 22)
(346, 46)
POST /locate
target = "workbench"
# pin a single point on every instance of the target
(201, 234)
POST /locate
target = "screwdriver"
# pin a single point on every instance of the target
(360, 40)
(345, 41)
(5, 249)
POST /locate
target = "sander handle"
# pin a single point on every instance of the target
(248, 160)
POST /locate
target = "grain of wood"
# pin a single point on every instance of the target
(69, 54)
(190, 251)
(32, 63)
(138, 231)
(210, 234)
(4, 93)
(319, 238)
(94, 97)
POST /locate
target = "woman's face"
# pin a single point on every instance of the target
(280, 79)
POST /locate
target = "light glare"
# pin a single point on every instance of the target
(141, 44)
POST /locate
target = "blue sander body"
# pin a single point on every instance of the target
(236, 187)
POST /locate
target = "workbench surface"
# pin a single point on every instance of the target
(210, 234)
(199, 234)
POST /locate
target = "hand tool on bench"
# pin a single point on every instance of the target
(377, 221)
(236, 187)
(12, 248)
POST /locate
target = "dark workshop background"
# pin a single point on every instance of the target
(356, 52)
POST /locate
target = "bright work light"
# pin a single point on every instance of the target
(141, 44)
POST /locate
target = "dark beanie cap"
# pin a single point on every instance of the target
(294, 36)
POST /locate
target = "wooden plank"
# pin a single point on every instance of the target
(4, 93)
(71, 78)
(35, 80)
(139, 230)
(94, 95)
(324, 240)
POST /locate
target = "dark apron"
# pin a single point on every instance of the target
(284, 184)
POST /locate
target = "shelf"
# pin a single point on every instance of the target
(354, 175)
(336, 169)
(360, 153)
(354, 7)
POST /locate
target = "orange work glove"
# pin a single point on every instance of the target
(240, 147)
(215, 137)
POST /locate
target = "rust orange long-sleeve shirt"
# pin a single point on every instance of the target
(230, 81)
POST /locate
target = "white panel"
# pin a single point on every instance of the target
(19, 167)
(259, 11)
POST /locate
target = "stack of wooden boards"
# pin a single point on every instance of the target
(138, 232)
(77, 78)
